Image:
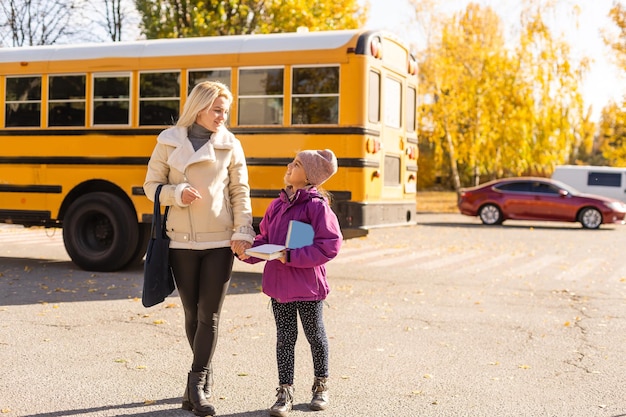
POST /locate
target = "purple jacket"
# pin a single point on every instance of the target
(303, 276)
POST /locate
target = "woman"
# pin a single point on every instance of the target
(204, 168)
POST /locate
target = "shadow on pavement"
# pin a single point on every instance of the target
(30, 281)
(152, 413)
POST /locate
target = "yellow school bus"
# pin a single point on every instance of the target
(79, 123)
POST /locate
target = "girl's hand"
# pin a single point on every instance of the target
(239, 247)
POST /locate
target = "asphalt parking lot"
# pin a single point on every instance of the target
(444, 318)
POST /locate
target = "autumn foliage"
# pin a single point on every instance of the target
(495, 108)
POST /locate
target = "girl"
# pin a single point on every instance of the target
(296, 282)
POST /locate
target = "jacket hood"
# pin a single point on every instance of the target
(301, 195)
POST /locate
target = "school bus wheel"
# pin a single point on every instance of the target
(100, 232)
(142, 245)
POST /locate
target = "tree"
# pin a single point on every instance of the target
(498, 111)
(618, 42)
(188, 18)
(612, 135)
(36, 22)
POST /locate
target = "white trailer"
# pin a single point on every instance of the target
(599, 180)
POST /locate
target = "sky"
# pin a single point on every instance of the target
(603, 82)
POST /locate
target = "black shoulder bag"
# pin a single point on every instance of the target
(158, 280)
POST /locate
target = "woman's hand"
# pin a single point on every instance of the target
(239, 248)
(189, 195)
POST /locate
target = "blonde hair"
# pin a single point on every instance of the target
(201, 97)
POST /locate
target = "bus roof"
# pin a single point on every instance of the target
(294, 41)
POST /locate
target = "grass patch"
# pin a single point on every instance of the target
(436, 202)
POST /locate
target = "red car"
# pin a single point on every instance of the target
(534, 198)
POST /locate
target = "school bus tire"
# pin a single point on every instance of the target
(100, 232)
(142, 245)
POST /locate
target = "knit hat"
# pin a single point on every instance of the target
(318, 165)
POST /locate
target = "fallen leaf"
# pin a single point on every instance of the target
(149, 402)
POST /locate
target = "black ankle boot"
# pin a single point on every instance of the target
(194, 398)
(208, 385)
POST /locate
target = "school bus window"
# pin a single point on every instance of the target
(111, 99)
(392, 170)
(411, 110)
(22, 102)
(159, 98)
(196, 77)
(66, 100)
(393, 102)
(315, 95)
(373, 110)
(261, 96)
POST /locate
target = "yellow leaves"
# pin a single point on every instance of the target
(5, 411)
(523, 366)
(498, 107)
(27, 268)
(213, 19)
(149, 402)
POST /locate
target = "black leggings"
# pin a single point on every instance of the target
(286, 317)
(202, 278)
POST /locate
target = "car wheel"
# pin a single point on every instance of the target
(490, 214)
(100, 232)
(590, 218)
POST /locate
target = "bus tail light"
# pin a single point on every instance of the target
(411, 152)
(412, 66)
(372, 145)
(376, 48)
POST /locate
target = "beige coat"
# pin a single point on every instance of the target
(218, 171)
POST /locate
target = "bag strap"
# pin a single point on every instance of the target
(156, 215)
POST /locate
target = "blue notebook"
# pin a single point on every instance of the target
(299, 235)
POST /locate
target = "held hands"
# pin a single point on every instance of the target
(189, 195)
(239, 247)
